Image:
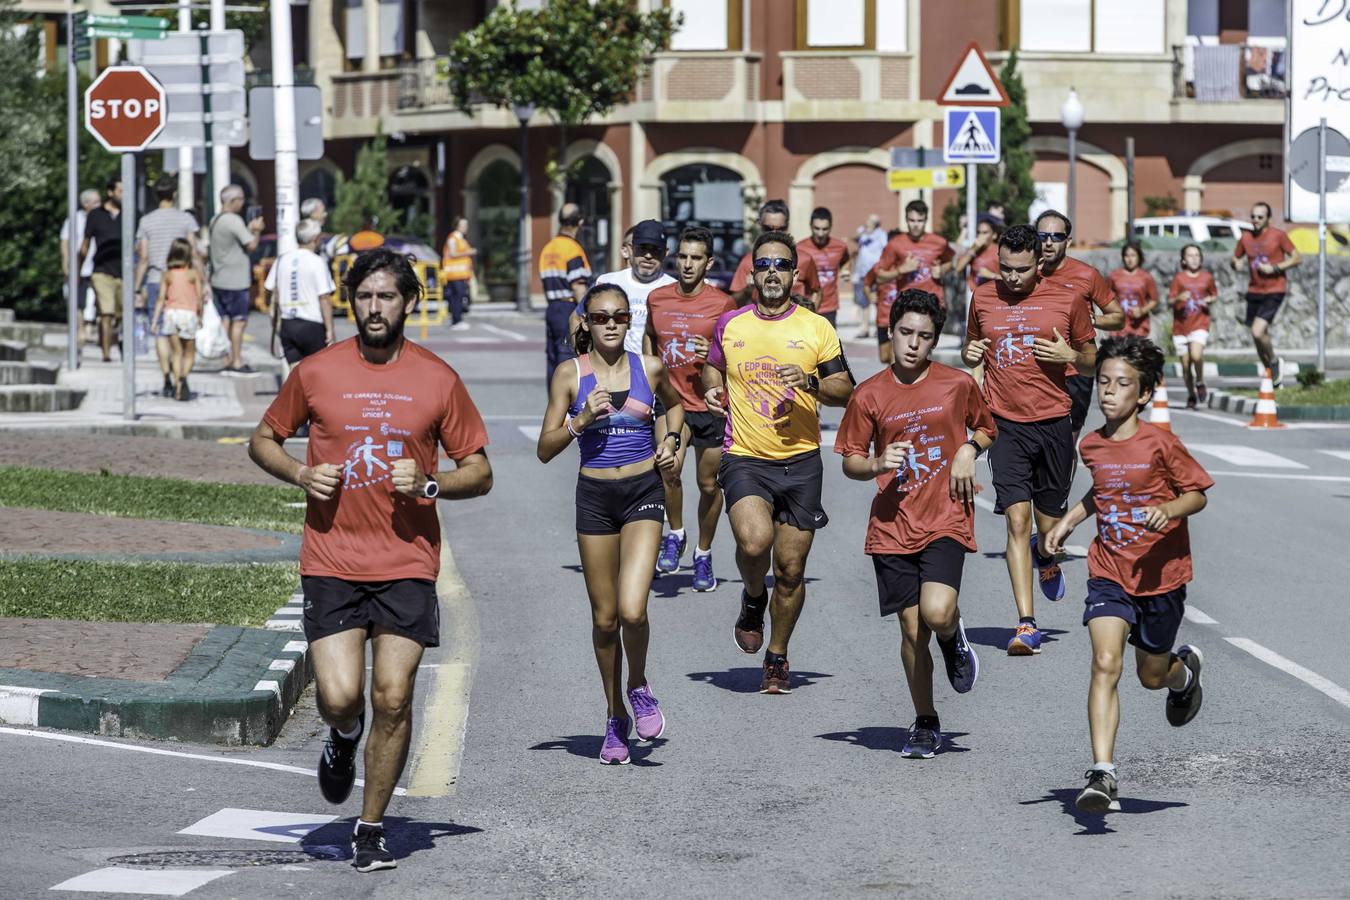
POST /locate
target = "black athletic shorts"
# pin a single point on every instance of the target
(830, 316)
(790, 486)
(300, 338)
(605, 505)
(1154, 620)
(407, 606)
(883, 335)
(900, 576)
(1032, 461)
(1080, 398)
(706, 429)
(658, 408)
(1263, 306)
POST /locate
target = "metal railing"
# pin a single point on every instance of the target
(1218, 73)
(425, 84)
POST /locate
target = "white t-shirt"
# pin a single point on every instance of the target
(86, 267)
(637, 292)
(304, 278)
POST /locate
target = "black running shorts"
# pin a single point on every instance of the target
(407, 606)
(900, 576)
(1032, 461)
(790, 486)
(706, 429)
(1263, 306)
(1154, 620)
(301, 338)
(1080, 398)
(605, 505)
(883, 335)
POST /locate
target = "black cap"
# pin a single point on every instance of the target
(649, 231)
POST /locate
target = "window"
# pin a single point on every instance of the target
(1220, 231)
(1085, 26)
(392, 39)
(708, 25)
(881, 25)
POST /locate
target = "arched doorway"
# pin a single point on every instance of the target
(410, 195)
(712, 196)
(498, 224)
(321, 182)
(588, 187)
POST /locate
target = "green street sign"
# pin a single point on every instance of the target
(128, 21)
(128, 34)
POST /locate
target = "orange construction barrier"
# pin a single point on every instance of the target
(1266, 416)
(1161, 416)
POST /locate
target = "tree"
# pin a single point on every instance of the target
(573, 60)
(1009, 182)
(365, 198)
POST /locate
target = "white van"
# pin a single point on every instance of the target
(1191, 228)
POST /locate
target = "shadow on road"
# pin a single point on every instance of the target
(747, 680)
(587, 746)
(998, 637)
(1096, 824)
(888, 737)
(404, 837)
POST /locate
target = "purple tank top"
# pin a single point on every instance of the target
(625, 436)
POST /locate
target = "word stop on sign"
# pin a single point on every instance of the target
(124, 109)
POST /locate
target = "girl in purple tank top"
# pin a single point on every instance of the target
(604, 400)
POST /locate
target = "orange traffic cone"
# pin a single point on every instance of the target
(1161, 416)
(1265, 405)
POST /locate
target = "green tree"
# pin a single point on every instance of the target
(365, 198)
(1009, 182)
(572, 59)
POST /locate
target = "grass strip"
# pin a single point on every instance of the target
(145, 497)
(1332, 393)
(144, 592)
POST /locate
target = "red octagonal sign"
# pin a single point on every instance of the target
(124, 108)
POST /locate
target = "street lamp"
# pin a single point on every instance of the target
(523, 113)
(1071, 116)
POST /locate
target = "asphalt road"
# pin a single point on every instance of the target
(788, 796)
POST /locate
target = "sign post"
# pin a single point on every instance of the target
(74, 262)
(1322, 245)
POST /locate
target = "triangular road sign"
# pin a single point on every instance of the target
(973, 82)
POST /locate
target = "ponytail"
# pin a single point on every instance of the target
(581, 340)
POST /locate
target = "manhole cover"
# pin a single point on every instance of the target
(166, 859)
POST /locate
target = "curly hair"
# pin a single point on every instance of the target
(921, 302)
(1140, 354)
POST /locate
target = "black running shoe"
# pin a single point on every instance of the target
(748, 631)
(369, 853)
(923, 742)
(1101, 793)
(337, 766)
(168, 386)
(1182, 706)
(963, 666)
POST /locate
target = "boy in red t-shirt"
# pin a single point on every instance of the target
(916, 259)
(1191, 293)
(830, 255)
(906, 427)
(1136, 290)
(1144, 487)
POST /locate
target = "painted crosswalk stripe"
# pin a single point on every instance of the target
(513, 335)
(1199, 618)
(259, 825)
(530, 431)
(1307, 676)
(152, 882)
(1238, 455)
(1339, 454)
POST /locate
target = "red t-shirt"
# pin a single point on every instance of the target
(806, 283)
(913, 505)
(675, 319)
(1190, 296)
(828, 260)
(1150, 467)
(886, 294)
(1086, 282)
(1270, 246)
(931, 250)
(363, 417)
(1017, 385)
(1134, 290)
(985, 259)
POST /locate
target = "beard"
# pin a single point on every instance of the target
(392, 332)
(772, 292)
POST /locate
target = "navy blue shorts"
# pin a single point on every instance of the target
(232, 305)
(1154, 620)
(1080, 399)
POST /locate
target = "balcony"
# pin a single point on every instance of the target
(700, 87)
(850, 85)
(1229, 83)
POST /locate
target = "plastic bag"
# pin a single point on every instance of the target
(212, 341)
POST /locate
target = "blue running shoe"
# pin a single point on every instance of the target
(704, 579)
(1052, 579)
(922, 743)
(672, 548)
(1025, 641)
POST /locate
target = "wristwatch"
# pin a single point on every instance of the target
(432, 490)
(675, 435)
(813, 384)
(978, 448)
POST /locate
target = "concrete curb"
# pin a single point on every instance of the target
(237, 686)
(1223, 401)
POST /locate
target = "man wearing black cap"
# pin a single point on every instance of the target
(643, 275)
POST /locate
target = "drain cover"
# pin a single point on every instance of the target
(166, 859)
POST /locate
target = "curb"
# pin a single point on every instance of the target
(237, 686)
(1223, 401)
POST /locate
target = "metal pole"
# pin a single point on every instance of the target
(1322, 246)
(73, 259)
(218, 158)
(186, 184)
(283, 123)
(523, 258)
(1073, 164)
(972, 203)
(1129, 188)
(128, 286)
(204, 48)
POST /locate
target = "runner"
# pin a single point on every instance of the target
(1136, 290)
(773, 216)
(371, 548)
(1026, 329)
(980, 262)
(769, 365)
(604, 399)
(871, 240)
(903, 427)
(643, 275)
(883, 295)
(830, 256)
(1144, 488)
(1191, 292)
(1269, 255)
(565, 273)
(917, 259)
(1054, 230)
(680, 323)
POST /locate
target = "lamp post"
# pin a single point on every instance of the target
(1071, 116)
(523, 113)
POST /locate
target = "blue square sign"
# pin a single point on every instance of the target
(972, 135)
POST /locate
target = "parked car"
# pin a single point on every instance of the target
(1198, 229)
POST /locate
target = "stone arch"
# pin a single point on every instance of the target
(474, 170)
(802, 191)
(323, 165)
(648, 205)
(1098, 158)
(243, 176)
(610, 160)
(1193, 185)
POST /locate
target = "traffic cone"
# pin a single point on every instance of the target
(1265, 405)
(1161, 416)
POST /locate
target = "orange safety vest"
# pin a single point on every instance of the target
(456, 263)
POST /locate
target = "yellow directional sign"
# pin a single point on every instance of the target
(937, 177)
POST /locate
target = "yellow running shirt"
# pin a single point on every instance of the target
(765, 419)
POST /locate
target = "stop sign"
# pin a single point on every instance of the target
(124, 108)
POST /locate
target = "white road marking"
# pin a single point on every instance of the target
(1238, 455)
(1339, 454)
(1239, 422)
(19, 705)
(1199, 617)
(509, 417)
(513, 335)
(155, 882)
(259, 825)
(1075, 550)
(530, 431)
(1307, 676)
(1281, 475)
(984, 504)
(156, 751)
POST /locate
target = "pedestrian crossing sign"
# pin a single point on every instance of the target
(972, 135)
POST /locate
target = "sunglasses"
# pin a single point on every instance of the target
(621, 317)
(1052, 237)
(764, 264)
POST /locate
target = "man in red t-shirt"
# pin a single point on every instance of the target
(1026, 330)
(917, 259)
(1144, 488)
(1269, 255)
(773, 216)
(882, 295)
(380, 407)
(830, 256)
(681, 318)
(906, 428)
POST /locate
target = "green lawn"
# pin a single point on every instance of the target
(141, 497)
(144, 592)
(1333, 393)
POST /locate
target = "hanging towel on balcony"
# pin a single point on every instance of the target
(1218, 72)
